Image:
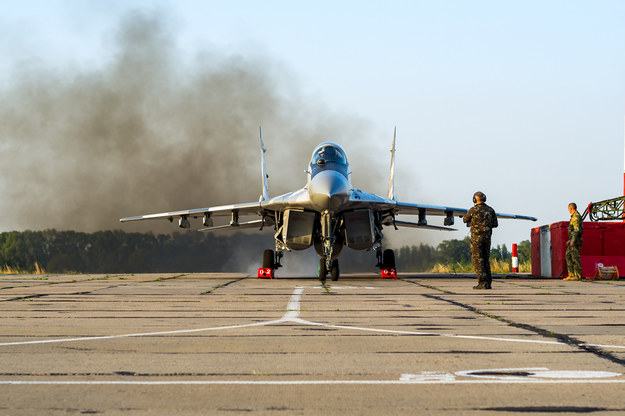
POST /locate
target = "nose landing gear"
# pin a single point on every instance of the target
(334, 270)
(323, 271)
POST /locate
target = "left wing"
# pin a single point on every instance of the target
(415, 209)
(422, 211)
(391, 208)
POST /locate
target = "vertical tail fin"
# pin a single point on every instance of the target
(391, 179)
(265, 195)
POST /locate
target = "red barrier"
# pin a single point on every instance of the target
(603, 243)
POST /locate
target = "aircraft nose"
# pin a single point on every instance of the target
(328, 190)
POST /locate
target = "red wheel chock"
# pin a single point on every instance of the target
(265, 273)
(389, 273)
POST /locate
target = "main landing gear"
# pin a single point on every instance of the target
(269, 266)
(387, 265)
(334, 270)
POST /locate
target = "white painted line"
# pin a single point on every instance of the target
(569, 374)
(428, 376)
(604, 346)
(292, 309)
(478, 337)
(306, 382)
(145, 334)
(292, 315)
(343, 287)
(537, 375)
(535, 372)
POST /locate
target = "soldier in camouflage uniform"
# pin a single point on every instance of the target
(482, 219)
(574, 244)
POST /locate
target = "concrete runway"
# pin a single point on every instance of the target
(226, 344)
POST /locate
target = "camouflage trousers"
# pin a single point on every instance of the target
(574, 261)
(480, 256)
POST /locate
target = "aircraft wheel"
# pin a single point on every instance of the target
(335, 272)
(388, 258)
(268, 259)
(322, 270)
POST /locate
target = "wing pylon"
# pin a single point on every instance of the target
(249, 224)
(408, 224)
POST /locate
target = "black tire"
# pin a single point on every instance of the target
(388, 258)
(268, 259)
(322, 270)
(334, 271)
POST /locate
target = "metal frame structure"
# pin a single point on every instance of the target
(608, 210)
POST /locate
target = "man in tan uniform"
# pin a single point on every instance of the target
(574, 244)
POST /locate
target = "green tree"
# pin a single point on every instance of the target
(455, 251)
(524, 250)
(500, 253)
(416, 258)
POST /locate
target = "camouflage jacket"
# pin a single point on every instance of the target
(576, 228)
(482, 219)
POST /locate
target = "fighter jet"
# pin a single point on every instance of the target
(328, 214)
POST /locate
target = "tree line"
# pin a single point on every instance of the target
(424, 257)
(121, 252)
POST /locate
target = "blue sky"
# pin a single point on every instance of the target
(522, 100)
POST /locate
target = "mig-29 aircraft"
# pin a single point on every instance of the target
(328, 213)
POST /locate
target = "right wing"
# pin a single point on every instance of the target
(266, 209)
(224, 210)
(233, 211)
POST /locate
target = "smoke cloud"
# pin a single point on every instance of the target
(152, 130)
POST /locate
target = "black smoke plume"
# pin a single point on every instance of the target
(152, 130)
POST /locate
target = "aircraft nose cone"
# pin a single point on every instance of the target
(328, 190)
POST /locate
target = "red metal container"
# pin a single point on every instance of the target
(603, 243)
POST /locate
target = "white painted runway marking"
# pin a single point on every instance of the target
(434, 376)
(307, 382)
(145, 334)
(538, 375)
(535, 372)
(345, 287)
(292, 309)
(292, 315)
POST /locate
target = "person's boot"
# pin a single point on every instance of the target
(480, 285)
(573, 276)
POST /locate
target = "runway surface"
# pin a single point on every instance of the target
(229, 344)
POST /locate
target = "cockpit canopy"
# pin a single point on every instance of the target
(328, 152)
(329, 156)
